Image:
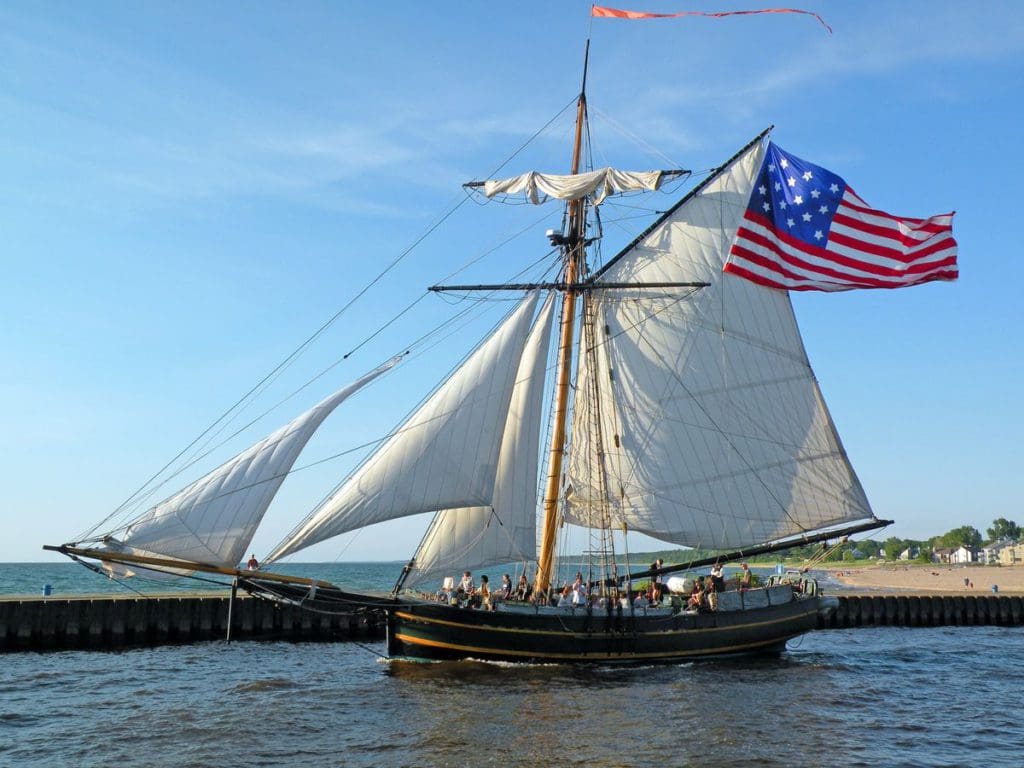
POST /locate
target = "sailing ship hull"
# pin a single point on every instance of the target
(434, 631)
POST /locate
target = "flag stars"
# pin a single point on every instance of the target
(823, 209)
(806, 217)
(791, 181)
(763, 189)
(782, 204)
(815, 193)
(766, 207)
(808, 176)
(771, 168)
(798, 200)
(778, 186)
(818, 235)
(790, 222)
(784, 163)
(834, 189)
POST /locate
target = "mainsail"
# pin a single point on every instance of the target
(444, 456)
(212, 520)
(505, 530)
(713, 429)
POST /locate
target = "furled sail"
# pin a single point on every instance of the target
(213, 520)
(713, 429)
(595, 184)
(444, 456)
(505, 530)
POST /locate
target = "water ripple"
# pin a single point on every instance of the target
(865, 697)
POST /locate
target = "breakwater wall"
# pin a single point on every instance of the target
(916, 610)
(120, 622)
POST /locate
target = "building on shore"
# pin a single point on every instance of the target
(961, 555)
(989, 554)
(1012, 554)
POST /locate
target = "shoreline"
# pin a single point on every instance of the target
(925, 577)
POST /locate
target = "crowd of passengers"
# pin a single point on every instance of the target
(702, 597)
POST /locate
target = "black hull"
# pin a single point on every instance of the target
(424, 629)
(435, 631)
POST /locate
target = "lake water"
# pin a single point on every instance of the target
(865, 697)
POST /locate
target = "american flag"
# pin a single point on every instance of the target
(805, 230)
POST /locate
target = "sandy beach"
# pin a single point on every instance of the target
(968, 579)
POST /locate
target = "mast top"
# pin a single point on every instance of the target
(586, 63)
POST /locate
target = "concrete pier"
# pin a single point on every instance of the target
(933, 610)
(51, 623)
(105, 623)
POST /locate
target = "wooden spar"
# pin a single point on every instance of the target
(573, 262)
(126, 558)
(762, 549)
(579, 287)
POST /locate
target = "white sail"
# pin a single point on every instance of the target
(213, 520)
(596, 184)
(443, 457)
(505, 530)
(714, 430)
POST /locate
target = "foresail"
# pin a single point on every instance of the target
(443, 457)
(597, 185)
(714, 431)
(213, 520)
(505, 530)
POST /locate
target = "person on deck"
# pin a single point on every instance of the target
(506, 587)
(717, 579)
(711, 594)
(444, 594)
(579, 590)
(523, 588)
(253, 563)
(467, 584)
(565, 599)
(746, 578)
(485, 594)
(696, 600)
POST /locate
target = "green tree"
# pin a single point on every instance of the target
(893, 546)
(966, 535)
(1003, 529)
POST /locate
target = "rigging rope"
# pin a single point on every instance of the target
(143, 492)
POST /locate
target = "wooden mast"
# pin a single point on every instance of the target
(573, 255)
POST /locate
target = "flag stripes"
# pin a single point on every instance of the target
(805, 229)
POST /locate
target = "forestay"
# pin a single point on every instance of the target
(714, 430)
(213, 520)
(444, 456)
(505, 530)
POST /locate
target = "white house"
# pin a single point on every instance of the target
(962, 555)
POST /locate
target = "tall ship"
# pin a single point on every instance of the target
(665, 392)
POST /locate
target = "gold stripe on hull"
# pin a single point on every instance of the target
(557, 633)
(470, 649)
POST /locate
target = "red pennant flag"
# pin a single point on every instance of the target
(601, 12)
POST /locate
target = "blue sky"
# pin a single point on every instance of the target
(190, 190)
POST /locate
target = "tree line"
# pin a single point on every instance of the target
(863, 549)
